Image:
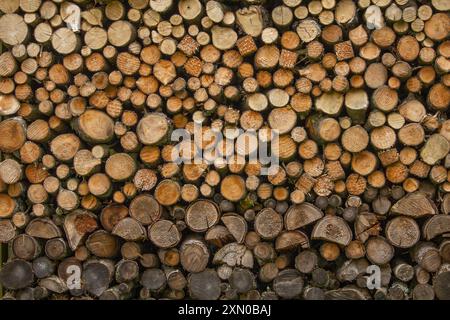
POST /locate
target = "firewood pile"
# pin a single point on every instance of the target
(131, 135)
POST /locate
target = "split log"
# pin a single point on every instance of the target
(16, 274)
(102, 244)
(201, 215)
(301, 215)
(77, 225)
(43, 228)
(251, 20)
(218, 236)
(288, 284)
(95, 127)
(289, 240)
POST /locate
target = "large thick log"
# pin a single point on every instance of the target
(16, 274)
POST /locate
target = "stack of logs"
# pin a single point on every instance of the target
(358, 91)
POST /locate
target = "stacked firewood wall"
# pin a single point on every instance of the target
(94, 205)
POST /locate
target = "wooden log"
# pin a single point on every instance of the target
(301, 215)
(102, 244)
(435, 226)
(111, 215)
(13, 134)
(251, 20)
(77, 225)
(427, 256)
(345, 12)
(65, 41)
(423, 206)
(289, 240)
(355, 139)
(9, 6)
(43, 228)
(306, 261)
(242, 280)
(130, 229)
(167, 192)
(97, 276)
(323, 129)
(268, 223)
(13, 29)
(236, 225)
(121, 33)
(402, 232)
(201, 215)
(56, 249)
(16, 274)
(375, 75)
(164, 234)
(435, 26)
(241, 255)
(91, 95)
(356, 103)
(288, 284)
(232, 187)
(223, 38)
(145, 209)
(194, 255)
(379, 251)
(308, 30)
(204, 285)
(190, 10)
(9, 231)
(152, 129)
(43, 267)
(120, 166)
(436, 147)
(341, 233)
